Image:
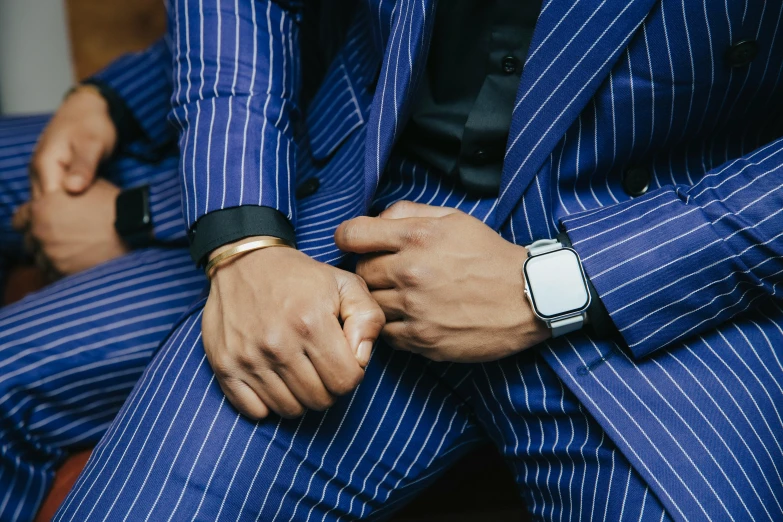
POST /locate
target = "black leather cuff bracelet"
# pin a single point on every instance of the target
(221, 227)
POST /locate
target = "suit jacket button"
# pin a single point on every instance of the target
(742, 53)
(307, 188)
(508, 64)
(636, 181)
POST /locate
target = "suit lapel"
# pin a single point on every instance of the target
(575, 44)
(403, 63)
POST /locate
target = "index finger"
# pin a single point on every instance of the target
(47, 171)
(363, 235)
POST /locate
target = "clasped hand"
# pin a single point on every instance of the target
(450, 287)
(284, 332)
(69, 222)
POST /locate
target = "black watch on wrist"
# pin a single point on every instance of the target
(134, 218)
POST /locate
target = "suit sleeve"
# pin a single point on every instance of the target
(143, 82)
(682, 259)
(166, 204)
(235, 75)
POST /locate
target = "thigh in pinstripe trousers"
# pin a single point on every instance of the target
(179, 451)
(17, 139)
(71, 353)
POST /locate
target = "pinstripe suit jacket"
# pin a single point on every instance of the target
(689, 271)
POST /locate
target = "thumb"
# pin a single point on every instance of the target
(21, 217)
(84, 164)
(362, 318)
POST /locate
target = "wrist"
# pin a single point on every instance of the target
(228, 246)
(240, 250)
(556, 286)
(133, 216)
(531, 329)
(91, 100)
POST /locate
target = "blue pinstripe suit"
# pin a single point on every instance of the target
(71, 353)
(681, 420)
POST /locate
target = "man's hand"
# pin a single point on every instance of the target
(284, 332)
(72, 233)
(451, 287)
(78, 137)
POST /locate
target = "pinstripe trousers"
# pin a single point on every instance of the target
(179, 451)
(71, 353)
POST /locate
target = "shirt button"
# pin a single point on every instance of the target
(480, 157)
(509, 65)
(742, 53)
(636, 181)
(307, 188)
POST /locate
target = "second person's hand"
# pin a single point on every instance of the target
(79, 136)
(71, 233)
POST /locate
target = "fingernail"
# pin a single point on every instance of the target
(365, 348)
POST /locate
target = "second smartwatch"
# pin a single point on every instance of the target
(134, 218)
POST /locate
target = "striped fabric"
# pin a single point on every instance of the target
(71, 353)
(179, 451)
(18, 137)
(236, 94)
(689, 272)
(143, 81)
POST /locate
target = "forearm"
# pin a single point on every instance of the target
(683, 259)
(234, 101)
(142, 81)
(168, 225)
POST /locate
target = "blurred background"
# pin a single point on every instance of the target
(47, 45)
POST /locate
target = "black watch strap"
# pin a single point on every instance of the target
(598, 319)
(134, 217)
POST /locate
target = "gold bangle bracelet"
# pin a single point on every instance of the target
(244, 248)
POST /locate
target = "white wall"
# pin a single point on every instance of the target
(35, 60)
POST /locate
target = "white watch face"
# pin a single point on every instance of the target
(556, 282)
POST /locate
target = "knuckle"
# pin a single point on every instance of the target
(422, 335)
(435, 355)
(361, 267)
(291, 411)
(357, 282)
(413, 275)
(349, 231)
(246, 360)
(422, 233)
(305, 325)
(222, 368)
(376, 316)
(323, 403)
(273, 353)
(346, 383)
(410, 303)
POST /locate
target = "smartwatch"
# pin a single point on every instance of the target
(556, 286)
(134, 217)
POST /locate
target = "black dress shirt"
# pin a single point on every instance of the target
(459, 124)
(461, 117)
(460, 120)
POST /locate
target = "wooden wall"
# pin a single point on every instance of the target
(101, 30)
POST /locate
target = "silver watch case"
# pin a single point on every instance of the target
(569, 294)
